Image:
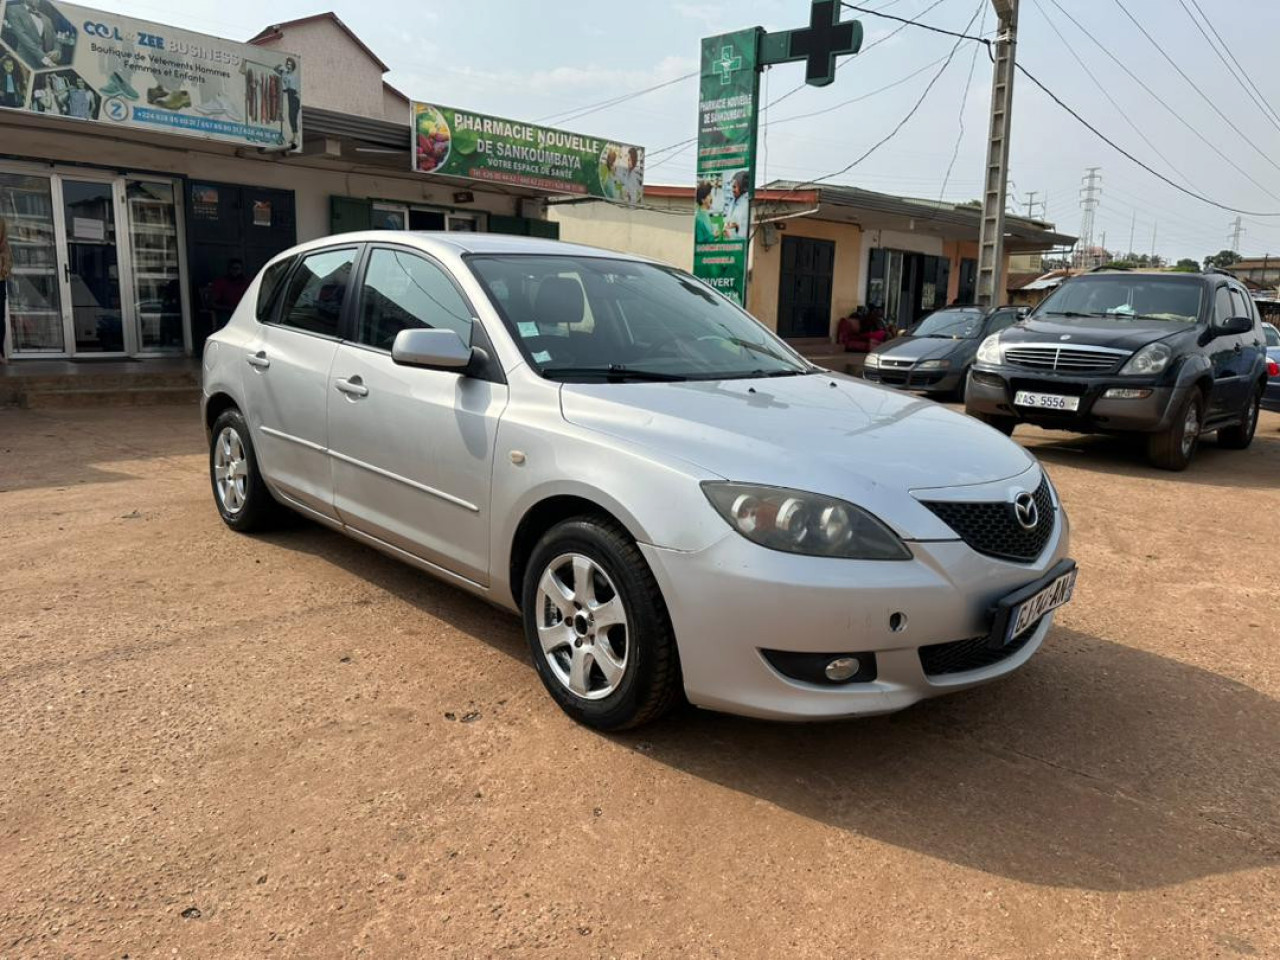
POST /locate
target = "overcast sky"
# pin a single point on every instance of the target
(534, 59)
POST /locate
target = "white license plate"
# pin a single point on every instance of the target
(1028, 613)
(1045, 401)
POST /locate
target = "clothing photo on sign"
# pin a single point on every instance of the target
(39, 33)
(14, 78)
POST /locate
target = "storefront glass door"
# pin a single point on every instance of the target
(98, 265)
(93, 266)
(35, 294)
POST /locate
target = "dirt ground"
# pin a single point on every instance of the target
(220, 746)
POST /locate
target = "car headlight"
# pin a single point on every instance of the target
(934, 364)
(873, 360)
(989, 351)
(1151, 359)
(808, 523)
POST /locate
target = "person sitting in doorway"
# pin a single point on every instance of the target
(228, 290)
(859, 333)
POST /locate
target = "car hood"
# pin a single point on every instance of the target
(922, 348)
(825, 433)
(1092, 331)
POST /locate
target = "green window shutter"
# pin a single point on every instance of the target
(347, 214)
(499, 224)
(547, 229)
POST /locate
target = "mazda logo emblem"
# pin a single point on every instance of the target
(1025, 511)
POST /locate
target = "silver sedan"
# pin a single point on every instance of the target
(676, 503)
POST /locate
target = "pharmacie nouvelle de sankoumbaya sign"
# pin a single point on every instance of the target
(458, 143)
(62, 60)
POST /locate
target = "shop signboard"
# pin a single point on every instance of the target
(459, 143)
(728, 109)
(59, 59)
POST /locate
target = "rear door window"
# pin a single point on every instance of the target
(316, 292)
(270, 286)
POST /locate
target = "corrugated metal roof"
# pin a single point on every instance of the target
(380, 133)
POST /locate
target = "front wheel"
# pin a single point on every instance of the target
(597, 626)
(1241, 435)
(1172, 448)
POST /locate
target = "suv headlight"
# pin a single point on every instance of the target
(1151, 359)
(989, 351)
(807, 523)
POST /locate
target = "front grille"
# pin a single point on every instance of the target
(991, 527)
(1062, 359)
(961, 656)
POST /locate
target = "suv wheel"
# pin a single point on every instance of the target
(243, 500)
(597, 626)
(1241, 435)
(1173, 448)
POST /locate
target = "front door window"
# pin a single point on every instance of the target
(35, 296)
(93, 269)
(157, 270)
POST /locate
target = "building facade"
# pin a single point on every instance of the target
(127, 240)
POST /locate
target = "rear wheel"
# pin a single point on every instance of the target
(1241, 435)
(242, 497)
(597, 626)
(1172, 449)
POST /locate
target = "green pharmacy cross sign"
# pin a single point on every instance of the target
(728, 111)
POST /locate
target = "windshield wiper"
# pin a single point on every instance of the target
(793, 372)
(614, 371)
(1077, 313)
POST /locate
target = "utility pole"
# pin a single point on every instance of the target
(1237, 230)
(1090, 193)
(1133, 222)
(996, 178)
(1031, 202)
(1154, 227)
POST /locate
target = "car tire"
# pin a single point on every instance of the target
(1173, 448)
(241, 495)
(1004, 424)
(612, 676)
(1241, 435)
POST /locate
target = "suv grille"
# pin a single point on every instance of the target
(961, 656)
(1062, 359)
(991, 527)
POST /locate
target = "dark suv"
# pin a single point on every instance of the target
(1170, 356)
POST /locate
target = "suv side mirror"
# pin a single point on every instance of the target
(435, 349)
(1234, 327)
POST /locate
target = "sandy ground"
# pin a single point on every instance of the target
(218, 746)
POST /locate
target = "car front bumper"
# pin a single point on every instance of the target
(913, 378)
(735, 599)
(992, 389)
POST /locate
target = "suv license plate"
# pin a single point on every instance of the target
(1029, 612)
(1045, 401)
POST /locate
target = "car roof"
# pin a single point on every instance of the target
(468, 243)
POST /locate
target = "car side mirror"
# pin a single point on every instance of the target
(1234, 327)
(435, 349)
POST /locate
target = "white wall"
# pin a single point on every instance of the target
(336, 73)
(665, 234)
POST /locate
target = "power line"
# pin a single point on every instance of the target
(565, 116)
(1243, 72)
(915, 22)
(1106, 93)
(1257, 102)
(1203, 96)
(1123, 152)
(1158, 99)
(964, 102)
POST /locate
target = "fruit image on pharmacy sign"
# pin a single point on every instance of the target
(458, 143)
(64, 60)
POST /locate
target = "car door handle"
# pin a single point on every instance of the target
(352, 387)
(258, 360)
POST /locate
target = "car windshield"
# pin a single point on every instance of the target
(1273, 335)
(597, 318)
(958, 324)
(1123, 298)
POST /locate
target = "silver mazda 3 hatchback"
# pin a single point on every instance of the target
(674, 501)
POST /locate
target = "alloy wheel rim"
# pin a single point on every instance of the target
(1190, 430)
(230, 471)
(582, 627)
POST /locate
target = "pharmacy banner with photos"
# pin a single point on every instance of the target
(64, 60)
(728, 109)
(458, 143)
